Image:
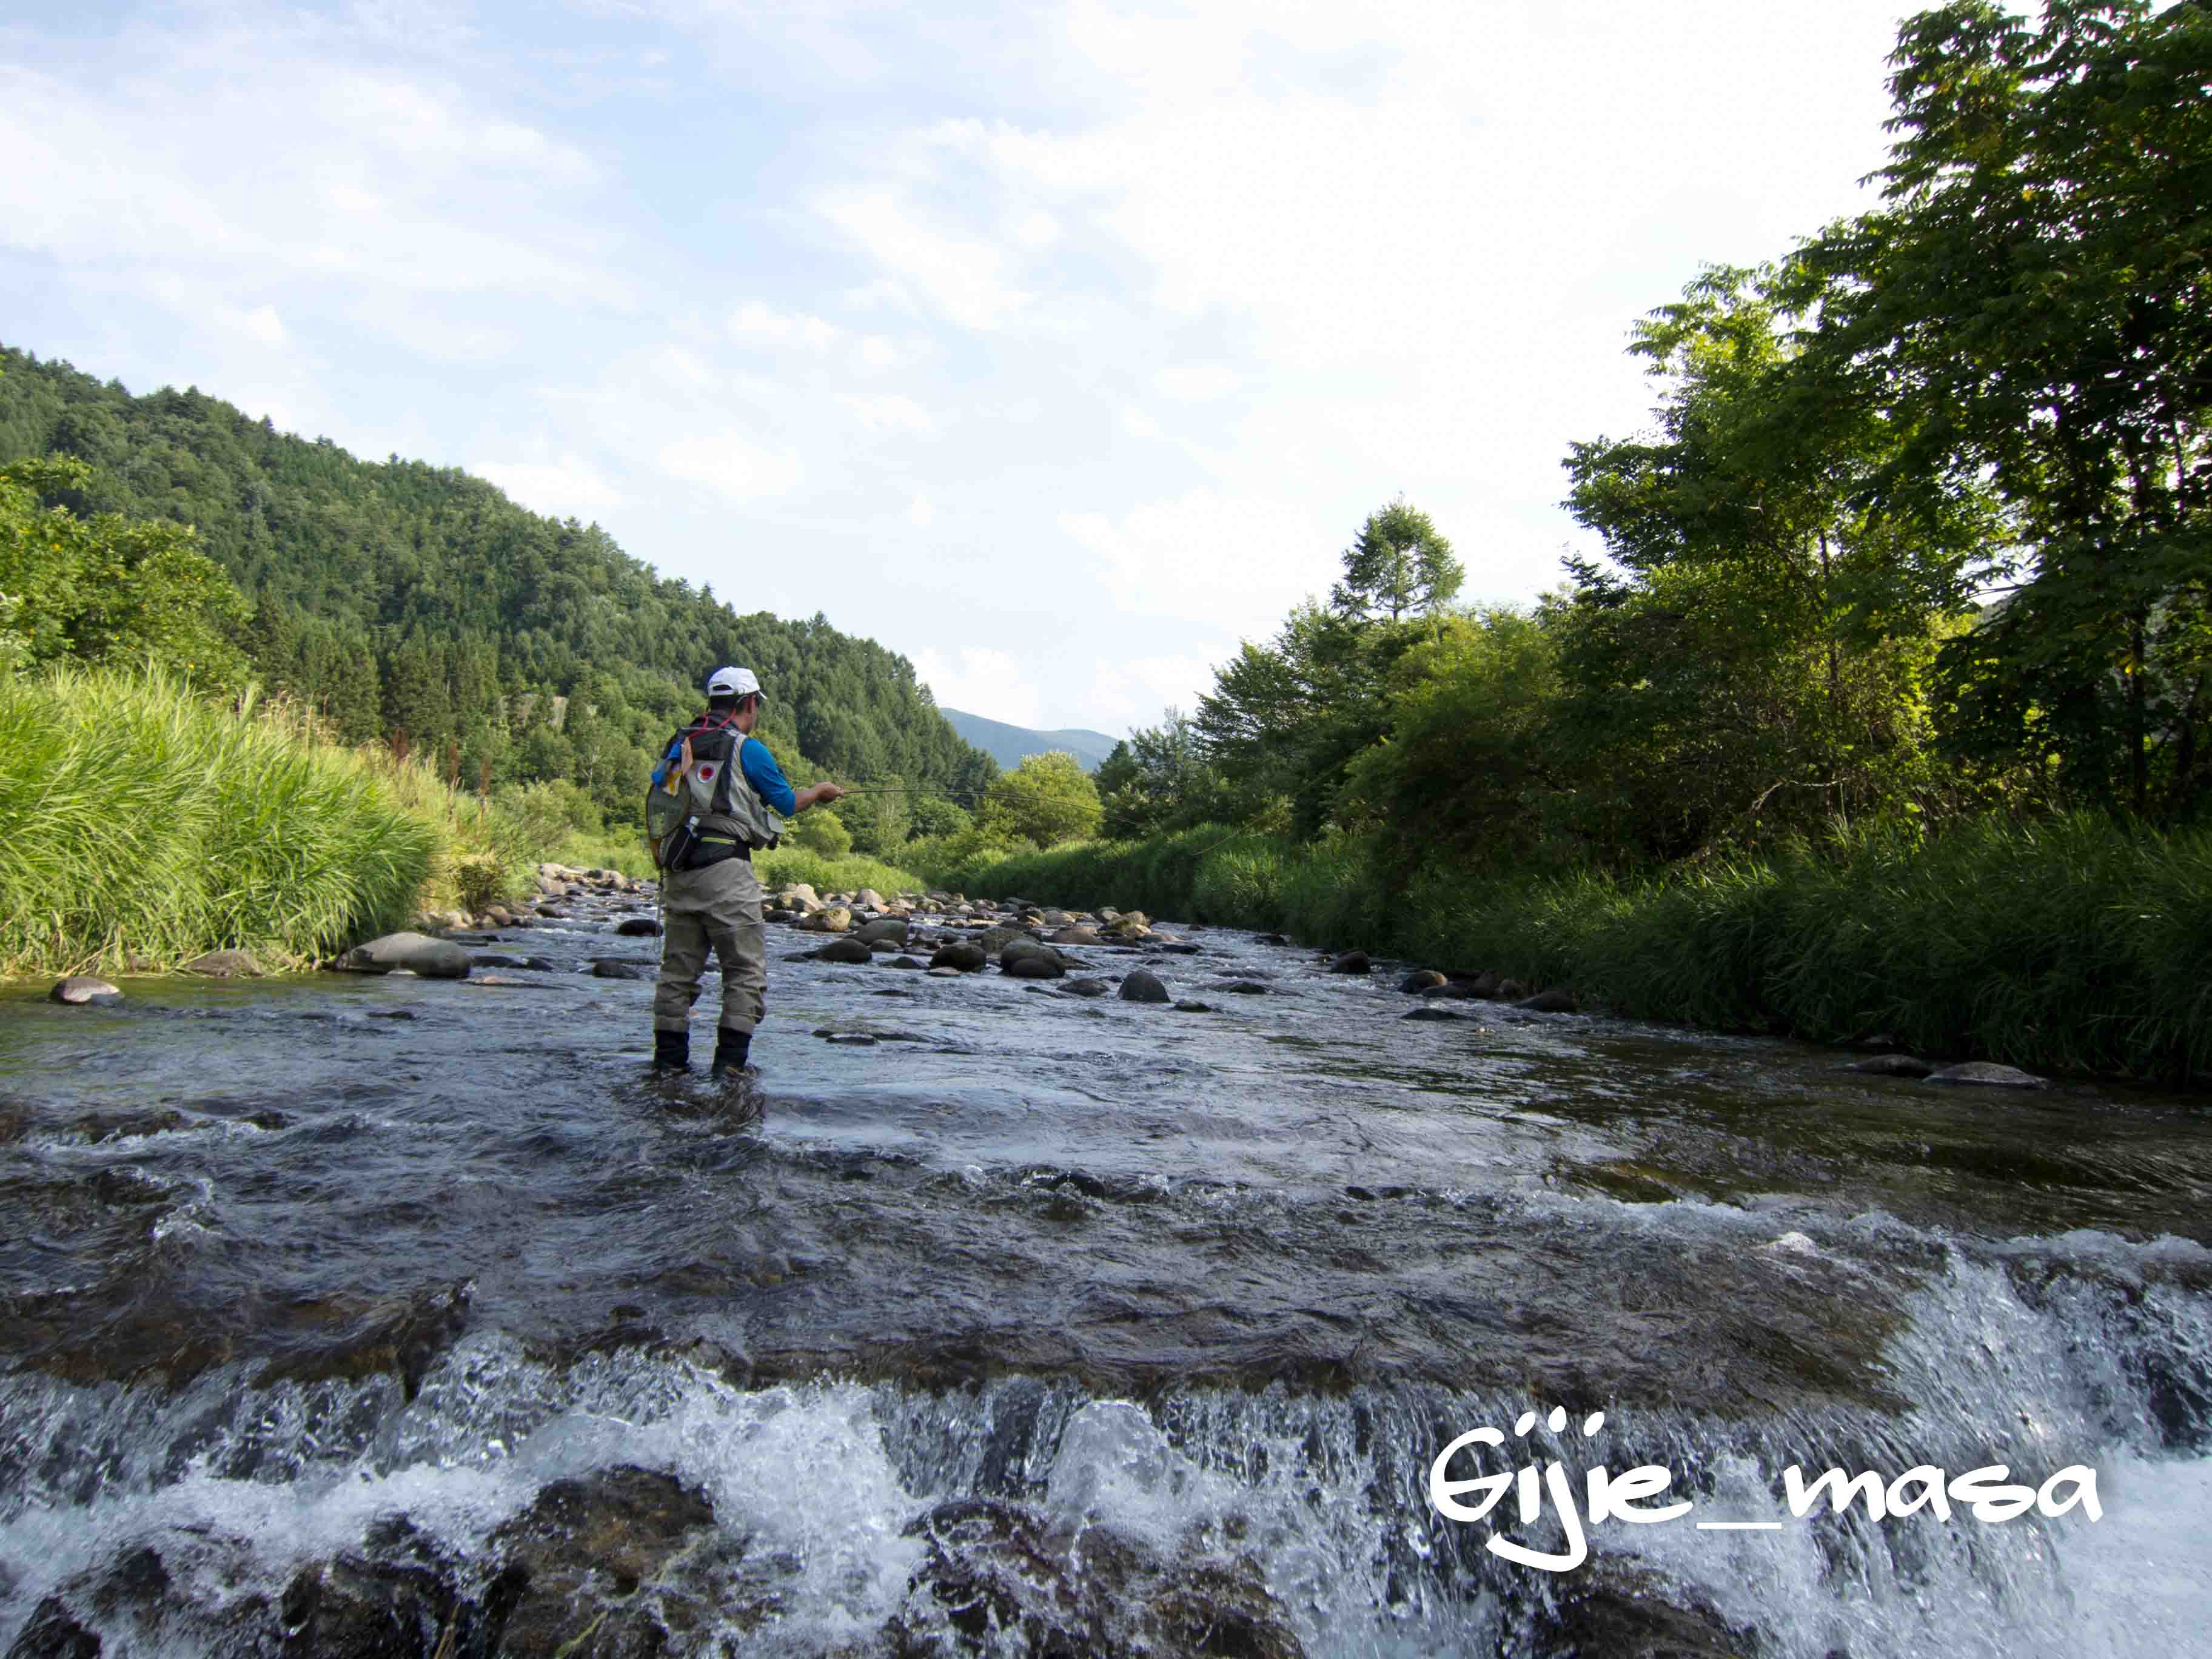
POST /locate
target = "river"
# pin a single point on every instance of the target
(348, 1315)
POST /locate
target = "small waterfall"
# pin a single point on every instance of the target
(1029, 1515)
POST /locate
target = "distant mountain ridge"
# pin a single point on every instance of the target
(1010, 746)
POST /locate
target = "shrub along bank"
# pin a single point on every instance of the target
(140, 823)
(2069, 944)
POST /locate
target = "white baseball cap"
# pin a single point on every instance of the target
(734, 683)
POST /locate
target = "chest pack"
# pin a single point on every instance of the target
(699, 794)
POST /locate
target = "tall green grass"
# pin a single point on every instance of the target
(2069, 944)
(138, 820)
(847, 873)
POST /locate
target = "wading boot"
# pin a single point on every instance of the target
(732, 1049)
(672, 1052)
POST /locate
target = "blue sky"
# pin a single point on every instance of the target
(1057, 346)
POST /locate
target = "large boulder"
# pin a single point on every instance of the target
(1076, 935)
(1034, 965)
(1428, 979)
(1352, 961)
(81, 988)
(888, 930)
(638, 927)
(414, 953)
(962, 957)
(835, 919)
(996, 940)
(1141, 985)
(869, 899)
(614, 967)
(848, 949)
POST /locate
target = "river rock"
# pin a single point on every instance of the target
(225, 964)
(1193, 1007)
(1352, 961)
(890, 930)
(1273, 939)
(1557, 1000)
(1243, 987)
(1428, 979)
(1071, 934)
(944, 973)
(1086, 987)
(959, 958)
(990, 1566)
(622, 1561)
(1430, 1013)
(996, 940)
(1143, 987)
(1982, 1073)
(638, 927)
(1033, 964)
(414, 953)
(1894, 1066)
(81, 988)
(849, 950)
(614, 967)
(834, 918)
(914, 962)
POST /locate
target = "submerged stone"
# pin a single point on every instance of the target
(1985, 1074)
(1894, 1066)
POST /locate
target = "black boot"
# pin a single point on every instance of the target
(671, 1051)
(731, 1050)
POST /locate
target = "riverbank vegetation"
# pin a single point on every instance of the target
(142, 823)
(1889, 708)
(416, 606)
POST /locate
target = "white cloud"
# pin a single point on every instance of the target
(1197, 382)
(756, 324)
(920, 512)
(1236, 560)
(1137, 423)
(732, 465)
(964, 277)
(889, 412)
(1134, 691)
(569, 488)
(985, 680)
(261, 324)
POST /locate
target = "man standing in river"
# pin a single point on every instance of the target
(708, 893)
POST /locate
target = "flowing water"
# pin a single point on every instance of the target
(386, 1316)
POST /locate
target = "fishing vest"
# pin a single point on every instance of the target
(700, 787)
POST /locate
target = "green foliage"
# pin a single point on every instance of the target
(1398, 567)
(104, 589)
(2032, 304)
(1047, 800)
(820, 832)
(847, 874)
(139, 820)
(403, 598)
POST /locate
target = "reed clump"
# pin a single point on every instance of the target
(142, 824)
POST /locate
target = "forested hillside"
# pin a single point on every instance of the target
(403, 598)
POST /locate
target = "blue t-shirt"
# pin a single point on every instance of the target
(767, 777)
